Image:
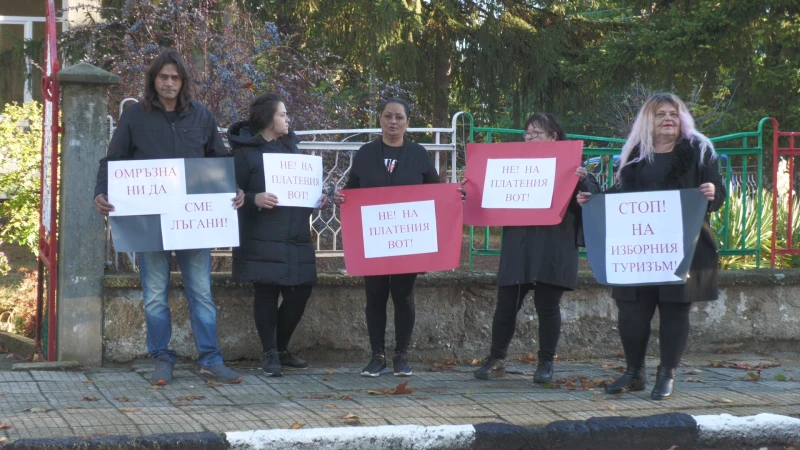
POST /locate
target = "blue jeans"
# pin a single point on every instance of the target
(195, 268)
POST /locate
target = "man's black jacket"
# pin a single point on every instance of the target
(152, 135)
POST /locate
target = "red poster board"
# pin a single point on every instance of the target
(567, 156)
(410, 213)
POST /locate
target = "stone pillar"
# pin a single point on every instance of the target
(81, 237)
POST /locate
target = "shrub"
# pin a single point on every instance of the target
(20, 159)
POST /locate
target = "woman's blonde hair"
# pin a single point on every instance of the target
(642, 131)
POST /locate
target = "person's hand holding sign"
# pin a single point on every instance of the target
(101, 204)
(238, 201)
(583, 197)
(323, 200)
(266, 200)
(338, 198)
(581, 173)
(708, 190)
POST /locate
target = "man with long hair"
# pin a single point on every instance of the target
(167, 123)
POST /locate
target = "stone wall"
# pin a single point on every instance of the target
(758, 310)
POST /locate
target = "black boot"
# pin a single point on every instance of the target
(665, 379)
(634, 379)
(544, 373)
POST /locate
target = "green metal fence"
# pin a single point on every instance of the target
(740, 163)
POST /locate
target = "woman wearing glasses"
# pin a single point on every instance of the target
(543, 259)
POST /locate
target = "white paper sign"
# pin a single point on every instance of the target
(397, 229)
(145, 186)
(201, 221)
(519, 183)
(644, 237)
(295, 179)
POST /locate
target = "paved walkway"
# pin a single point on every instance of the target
(99, 402)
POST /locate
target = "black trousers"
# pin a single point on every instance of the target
(634, 327)
(378, 288)
(546, 300)
(276, 324)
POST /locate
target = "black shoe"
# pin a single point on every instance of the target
(665, 379)
(634, 379)
(272, 364)
(291, 362)
(492, 368)
(544, 372)
(400, 365)
(376, 366)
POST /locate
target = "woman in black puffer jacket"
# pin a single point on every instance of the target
(275, 250)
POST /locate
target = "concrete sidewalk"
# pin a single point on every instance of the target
(120, 401)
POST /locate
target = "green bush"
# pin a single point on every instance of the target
(20, 160)
(750, 232)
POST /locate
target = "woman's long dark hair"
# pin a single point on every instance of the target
(548, 123)
(262, 111)
(150, 94)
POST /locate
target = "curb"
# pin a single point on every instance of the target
(172, 441)
(603, 433)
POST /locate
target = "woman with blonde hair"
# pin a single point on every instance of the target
(664, 151)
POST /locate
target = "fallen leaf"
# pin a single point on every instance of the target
(350, 416)
(422, 397)
(214, 384)
(191, 398)
(38, 410)
(129, 410)
(37, 357)
(716, 365)
(319, 396)
(125, 399)
(744, 366)
(753, 376)
(181, 404)
(92, 382)
(329, 372)
(4, 426)
(74, 407)
(611, 408)
(402, 389)
(326, 379)
(722, 400)
(610, 366)
(693, 380)
(295, 426)
(476, 362)
(528, 358)
(91, 399)
(345, 396)
(155, 387)
(468, 393)
(330, 406)
(692, 372)
(287, 397)
(780, 377)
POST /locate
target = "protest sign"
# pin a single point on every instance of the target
(402, 229)
(202, 216)
(295, 179)
(643, 238)
(520, 183)
(145, 186)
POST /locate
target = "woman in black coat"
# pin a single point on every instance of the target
(391, 160)
(275, 250)
(543, 259)
(664, 151)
